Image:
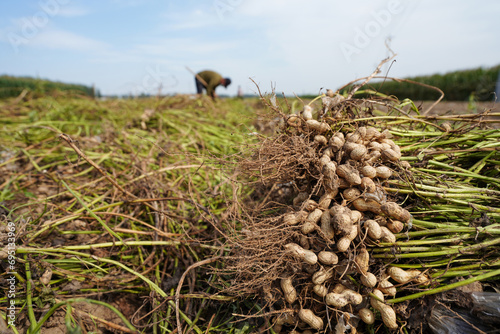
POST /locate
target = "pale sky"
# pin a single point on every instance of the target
(294, 46)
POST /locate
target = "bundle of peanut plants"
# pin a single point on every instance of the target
(363, 206)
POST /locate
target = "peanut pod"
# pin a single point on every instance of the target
(405, 276)
(383, 172)
(326, 225)
(321, 276)
(288, 290)
(46, 277)
(350, 174)
(358, 152)
(293, 218)
(395, 226)
(314, 216)
(340, 300)
(311, 319)
(387, 287)
(320, 290)
(387, 313)
(368, 185)
(387, 235)
(336, 143)
(371, 205)
(342, 223)
(372, 134)
(328, 258)
(390, 154)
(368, 171)
(307, 112)
(345, 241)
(320, 139)
(368, 280)
(301, 253)
(317, 126)
(362, 261)
(351, 193)
(393, 210)
(366, 315)
(373, 229)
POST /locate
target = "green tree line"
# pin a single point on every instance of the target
(11, 86)
(478, 83)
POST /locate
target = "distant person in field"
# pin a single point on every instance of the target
(209, 80)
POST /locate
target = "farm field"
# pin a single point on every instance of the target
(64, 208)
(458, 108)
(144, 215)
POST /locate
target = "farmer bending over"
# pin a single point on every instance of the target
(210, 80)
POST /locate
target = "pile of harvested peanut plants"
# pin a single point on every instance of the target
(337, 195)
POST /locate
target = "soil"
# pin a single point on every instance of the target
(461, 108)
(458, 108)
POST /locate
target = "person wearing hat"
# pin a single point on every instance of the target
(210, 80)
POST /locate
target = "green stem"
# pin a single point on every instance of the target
(440, 195)
(78, 300)
(451, 251)
(29, 301)
(186, 318)
(478, 166)
(114, 244)
(426, 224)
(152, 285)
(403, 119)
(426, 241)
(480, 136)
(446, 189)
(103, 224)
(445, 288)
(481, 265)
(78, 213)
(491, 229)
(458, 273)
(468, 174)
